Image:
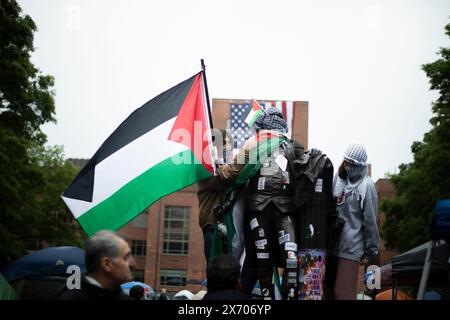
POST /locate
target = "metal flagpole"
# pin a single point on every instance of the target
(208, 106)
(220, 221)
(206, 93)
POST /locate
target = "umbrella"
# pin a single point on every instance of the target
(199, 295)
(432, 295)
(148, 290)
(407, 267)
(387, 295)
(43, 274)
(52, 261)
(183, 295)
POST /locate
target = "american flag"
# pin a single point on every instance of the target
(240, 131)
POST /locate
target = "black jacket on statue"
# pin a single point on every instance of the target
(314, 200)
(274, 190)
(318, 224)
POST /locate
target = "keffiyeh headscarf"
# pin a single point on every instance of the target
(272, 119)
(357, 173)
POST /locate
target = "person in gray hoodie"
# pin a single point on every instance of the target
(357, 204)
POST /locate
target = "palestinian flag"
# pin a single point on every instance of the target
(159, 149)
(255, 111)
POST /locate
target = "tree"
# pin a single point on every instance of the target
(31, 176)
(423, 182)
(50, 217)
(26, 101)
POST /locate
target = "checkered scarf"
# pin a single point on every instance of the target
(272, 119)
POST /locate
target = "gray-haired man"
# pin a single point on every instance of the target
(108, 261)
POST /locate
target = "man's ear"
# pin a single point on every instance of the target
(105, 263)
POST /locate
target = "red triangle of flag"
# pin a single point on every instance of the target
(191, 126)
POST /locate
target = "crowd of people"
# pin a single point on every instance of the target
(109, 263)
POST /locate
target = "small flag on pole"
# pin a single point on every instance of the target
(255, 111)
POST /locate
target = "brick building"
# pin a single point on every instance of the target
(165, 239)
(385, 190)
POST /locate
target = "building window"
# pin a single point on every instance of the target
(139, 248)
(141, 221)
(139, 275)
(174, 278)
(176, 230)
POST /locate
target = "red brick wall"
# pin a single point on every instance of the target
(194, 263)
(300, 127)
(385, 190)
(133, 233)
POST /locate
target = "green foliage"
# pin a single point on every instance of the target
(32, 177)
(53, 221)
(423, 182)
(26, 101)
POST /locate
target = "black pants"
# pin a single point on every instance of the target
(208, 234)
(273, 235)
(249, 276)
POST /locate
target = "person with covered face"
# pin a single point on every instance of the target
(270, 205)
(357, 205)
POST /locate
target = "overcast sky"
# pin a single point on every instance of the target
(357, 63)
